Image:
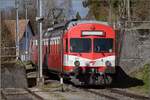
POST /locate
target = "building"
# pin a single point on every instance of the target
(25, 34)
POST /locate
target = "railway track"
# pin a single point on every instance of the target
(131, 95)
(96, 94)
(103, 94)
(116, 94)
(100, 94)
(19, 94)
(106, 93)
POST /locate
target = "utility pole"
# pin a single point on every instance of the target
(27, 4)
(40, 8)
(110, 12)
(17, 29)
(40, 78)
(0, 43)
(128, 10)
(26, 46)
(128, 14)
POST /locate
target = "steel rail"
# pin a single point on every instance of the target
(25, 91)
(34, 94)
(131, 95)
(100, 94)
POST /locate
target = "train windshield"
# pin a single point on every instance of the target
(80, 45)
(103, 45)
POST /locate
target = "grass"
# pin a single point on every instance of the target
(143, 74)
(48, 86)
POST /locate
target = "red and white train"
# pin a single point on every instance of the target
(84, 51)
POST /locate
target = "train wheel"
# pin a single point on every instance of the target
(107, 79)
(101, 80)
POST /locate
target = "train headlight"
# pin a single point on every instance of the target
(77, 63)
(108, 63)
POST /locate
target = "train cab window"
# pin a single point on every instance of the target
(66, 45)
(103, 45)
(80, 45)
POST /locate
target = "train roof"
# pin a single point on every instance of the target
(72, 23)
(68, 24)
(58, 28)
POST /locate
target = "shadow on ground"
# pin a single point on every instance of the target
(122, 80)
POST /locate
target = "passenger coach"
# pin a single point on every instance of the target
(84, 51)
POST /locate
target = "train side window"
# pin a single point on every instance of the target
(33, 43)
(42, 42)
(47, 42)
(48, 46)
(36, 42)
(51, 44)
(66, 45)
(56, 46)
(52, 48)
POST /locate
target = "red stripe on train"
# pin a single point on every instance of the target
(71, 68)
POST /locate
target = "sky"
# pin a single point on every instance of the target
(6, 3)
(77, 6)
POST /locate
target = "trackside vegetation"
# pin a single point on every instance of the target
(143, 74)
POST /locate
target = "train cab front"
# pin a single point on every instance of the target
(89, 55)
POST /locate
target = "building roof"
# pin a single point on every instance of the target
(11, 27)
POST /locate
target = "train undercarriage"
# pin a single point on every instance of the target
(90, 77)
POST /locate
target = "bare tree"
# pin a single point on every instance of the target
(48, 5)
(8, 13)
(56, 11)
